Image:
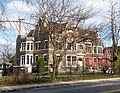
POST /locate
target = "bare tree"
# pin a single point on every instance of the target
(111, 29)
(7, 53)
(58, 17)
(2, 11)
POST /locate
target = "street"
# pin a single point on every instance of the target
(98, 87)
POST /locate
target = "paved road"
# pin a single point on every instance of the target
(98, 87)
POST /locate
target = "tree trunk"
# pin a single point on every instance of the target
(54, 65)
(54, 74)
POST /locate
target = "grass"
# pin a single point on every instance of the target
(30, 79)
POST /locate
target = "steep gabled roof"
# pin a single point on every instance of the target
(31, 34)
(81, 36)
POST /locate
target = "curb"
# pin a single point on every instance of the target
(19, 87)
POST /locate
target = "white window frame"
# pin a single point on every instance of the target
(27, 59)
(88, 47)
(22, 60)
(28, 48)
(23, 48)
(31, 46)
(101, 48)
(70, 60)
(96, 50)
(31, 61)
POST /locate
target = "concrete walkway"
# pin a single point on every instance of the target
(19, 87)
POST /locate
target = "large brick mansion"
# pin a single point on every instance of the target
(83, 51)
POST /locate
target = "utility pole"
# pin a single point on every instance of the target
(21, 23)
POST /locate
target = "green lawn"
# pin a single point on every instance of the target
(29, 79)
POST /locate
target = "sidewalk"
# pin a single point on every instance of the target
(19, 87)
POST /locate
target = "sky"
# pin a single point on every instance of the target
(15, 9)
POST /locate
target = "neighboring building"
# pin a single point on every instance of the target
(83, 52)
(108, 53)
(4, 68)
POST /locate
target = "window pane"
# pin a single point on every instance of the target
(68, 58)
(69, 46)
(45, 57)
(99, 50)
(39, 46)
(31, 46)
(36, 59)
(22, 60)
(95, 49)
(95, 59)
(27, 59)
(74, 46)
(88, 49)
(36, 46)
(23, 46)
(28, 46)
(73, 58)
(31, 58)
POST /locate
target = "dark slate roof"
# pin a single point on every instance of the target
(82, 34)
(31, 33)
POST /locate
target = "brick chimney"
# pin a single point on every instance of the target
(45, 19)
(21, 27)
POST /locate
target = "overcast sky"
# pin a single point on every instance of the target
(17, 9)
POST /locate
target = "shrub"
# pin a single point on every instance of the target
(29, 79)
